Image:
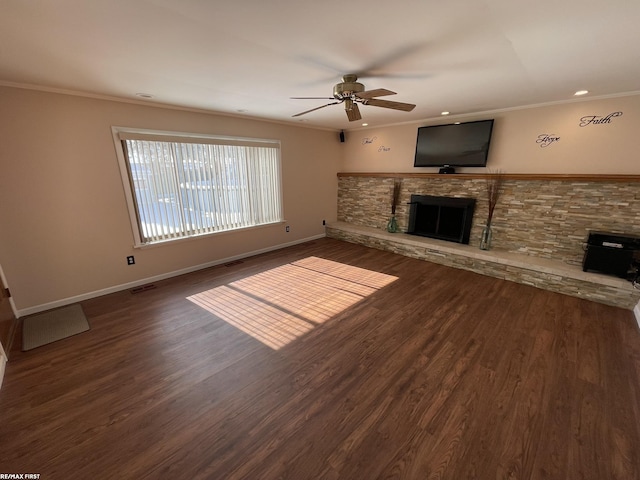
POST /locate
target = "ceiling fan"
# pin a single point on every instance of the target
(351, 92)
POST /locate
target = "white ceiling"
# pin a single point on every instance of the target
(250, 56)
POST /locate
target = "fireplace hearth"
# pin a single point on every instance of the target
(444, 218)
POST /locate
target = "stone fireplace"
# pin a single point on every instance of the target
(536, 215)
(541, 225)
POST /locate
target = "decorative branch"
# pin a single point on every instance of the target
(395, 196)
(495, 182)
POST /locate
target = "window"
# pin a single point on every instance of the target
(180, 186)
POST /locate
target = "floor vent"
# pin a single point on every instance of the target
(235, 262)
(143, 288)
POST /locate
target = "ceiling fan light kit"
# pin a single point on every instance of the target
(348, 87)
(351, 92)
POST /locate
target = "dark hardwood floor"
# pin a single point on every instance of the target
(329, 360)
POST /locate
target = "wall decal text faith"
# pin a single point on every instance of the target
(598, 120)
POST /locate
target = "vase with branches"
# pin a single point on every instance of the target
(495, 181)
(392, 225)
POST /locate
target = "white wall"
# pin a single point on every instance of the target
(606, 148)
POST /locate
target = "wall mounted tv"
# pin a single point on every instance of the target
(454, 145)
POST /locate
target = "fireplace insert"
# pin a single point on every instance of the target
(445, 218)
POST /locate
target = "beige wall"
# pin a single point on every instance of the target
(64, 224)
(611, 148)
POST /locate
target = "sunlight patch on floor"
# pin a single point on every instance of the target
(279, 305)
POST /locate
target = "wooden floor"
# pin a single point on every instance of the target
(357, 364)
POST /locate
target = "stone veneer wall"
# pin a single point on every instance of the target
(548, 217)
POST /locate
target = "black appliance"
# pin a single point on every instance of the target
(611, 253)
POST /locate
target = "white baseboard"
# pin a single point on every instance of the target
(636, 312)
(125, 286)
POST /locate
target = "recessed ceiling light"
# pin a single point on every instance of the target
(581, 92)
(365, 124)
(144, 95)
(457, 123)
(444, 113)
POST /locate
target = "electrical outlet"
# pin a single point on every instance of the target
(287, 228)
(131, 260)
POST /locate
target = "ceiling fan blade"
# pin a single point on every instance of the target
(312, 98)
(378, 92)
(353, 113)
(314, 109)
(382, 64)
(405, 107)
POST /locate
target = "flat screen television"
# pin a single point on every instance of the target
(454, 145)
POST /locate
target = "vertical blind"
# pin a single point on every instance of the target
(183, 188)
